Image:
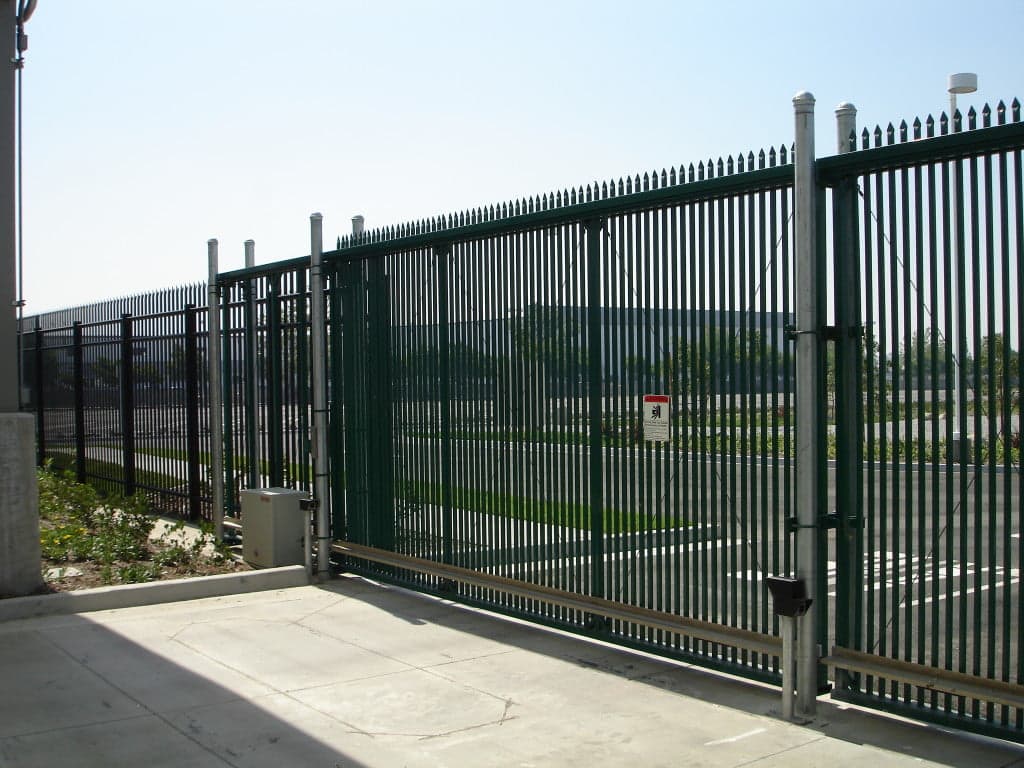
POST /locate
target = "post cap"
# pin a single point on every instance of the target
(804, 99)
(316, 216)
(845, 108)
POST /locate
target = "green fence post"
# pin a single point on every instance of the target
(228, 390)
(848, 403)
(275, 422)
(441, 255)
(337, 406)
(353, 318)
(595, 405)
(379, 401)
(252, 407)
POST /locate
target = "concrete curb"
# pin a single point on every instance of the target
(152, 593)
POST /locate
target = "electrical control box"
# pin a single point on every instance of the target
(273, 527)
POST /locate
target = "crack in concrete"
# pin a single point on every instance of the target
(762, 758)
(139, 703)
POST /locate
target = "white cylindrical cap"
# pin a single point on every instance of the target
(357, 225)
(963, 82)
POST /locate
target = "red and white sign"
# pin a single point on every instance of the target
(656, 424)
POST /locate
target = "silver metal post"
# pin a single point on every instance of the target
(317, 319)
(787, 627)
(846, 124)
(213, 361)
(808, 413)
(9, 362)
(963, 82)
(956, 449)
(252, 352)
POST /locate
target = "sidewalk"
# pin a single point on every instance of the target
(354, 674)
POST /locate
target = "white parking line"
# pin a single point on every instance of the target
(733, 739)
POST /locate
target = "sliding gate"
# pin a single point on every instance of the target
(580, 409)
(928, 227)
(490, 372)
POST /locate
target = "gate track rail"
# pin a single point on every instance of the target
(721, 634)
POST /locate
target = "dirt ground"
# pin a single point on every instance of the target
(64, 576)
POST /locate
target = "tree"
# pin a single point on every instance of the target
(998, 365)
(148, 375)
(868, 368)
(176, 364)
(551, 338)
(638, 369)
(694, 368)
(106, 372)
(926, 352)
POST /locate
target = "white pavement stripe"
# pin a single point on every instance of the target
(734, 739)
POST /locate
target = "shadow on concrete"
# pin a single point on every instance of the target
(835, 720)
(75, 692)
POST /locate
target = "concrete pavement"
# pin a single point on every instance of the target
(355, 674)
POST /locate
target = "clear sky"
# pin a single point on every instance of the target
(151, 127)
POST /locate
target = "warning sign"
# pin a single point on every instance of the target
(656, 418)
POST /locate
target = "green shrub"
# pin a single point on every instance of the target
(78, 525)
(62, 499)
(65, 542)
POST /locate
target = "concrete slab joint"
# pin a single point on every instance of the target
(19, 506)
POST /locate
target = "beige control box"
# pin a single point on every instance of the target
(272, 527)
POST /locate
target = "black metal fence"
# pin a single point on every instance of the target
(120, 393)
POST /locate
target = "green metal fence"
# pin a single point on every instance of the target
(928, 224)
(488, 379)
(492, 439)
(266, 378)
